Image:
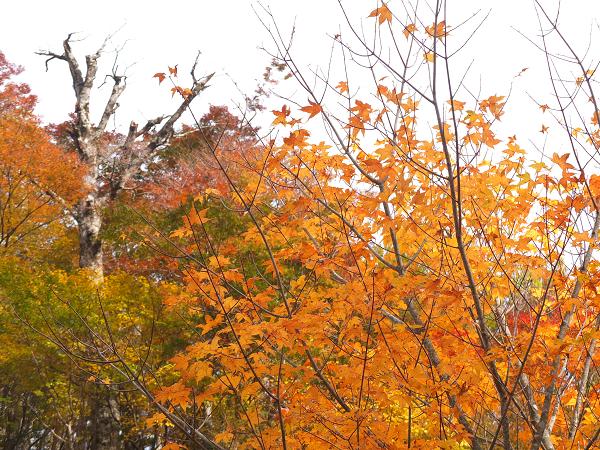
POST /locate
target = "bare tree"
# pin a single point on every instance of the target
(110, 166)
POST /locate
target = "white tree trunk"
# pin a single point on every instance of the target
(89, 223)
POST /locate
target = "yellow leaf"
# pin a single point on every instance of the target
(429, 56)
(225, 436)
(181, 232)
(158, 419)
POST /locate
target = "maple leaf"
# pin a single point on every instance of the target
(160, 75)
(158, 419)
(178, 394)
(382, 13)
(342, 86)
(181, 232)
(379, 118)
(594, 184)
(409, 30)
(225, 436)
(362, 110)
(296, 138)
(456, 105)
(561, 161)
(544, 107)
(172, 446)
(356, 125)
(173, 70)
(184, 92)
(429, 56)
(198, 217)
(494, 105)
(410, 105)
(313, 109)
(281, 116)
(544, 129)
(438, 31)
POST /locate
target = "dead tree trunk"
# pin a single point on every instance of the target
(88, 214)
(105, 421)
(125, 159)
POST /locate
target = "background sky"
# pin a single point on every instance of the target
(156, 34)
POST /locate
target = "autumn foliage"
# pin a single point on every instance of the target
(412, 280)
(33, 171)
(385, 267)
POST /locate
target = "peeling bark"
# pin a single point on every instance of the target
(105, 424)
(88, 214)
(125, 160)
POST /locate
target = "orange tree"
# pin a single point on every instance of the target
(410, 279)
(32, 171)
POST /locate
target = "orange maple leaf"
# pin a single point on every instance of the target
(178, 394)
(382, 13)
(342, 86)
(594, 184)
(362, 110)
(281, 116)
(561, 161)
(160, 75)
(172, 446)
(438, 31)
(173, 70)
(456, 105)
(198, 217)
(313, 109)
(409, 29)
(296, 138)
(184, 92)
(494, 105)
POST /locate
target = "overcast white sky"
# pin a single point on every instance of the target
(161, 33)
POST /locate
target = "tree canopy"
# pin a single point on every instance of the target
(384, 266)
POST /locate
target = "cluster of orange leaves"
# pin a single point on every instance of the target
(342, 317)
(312, 333)
(33, 171)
